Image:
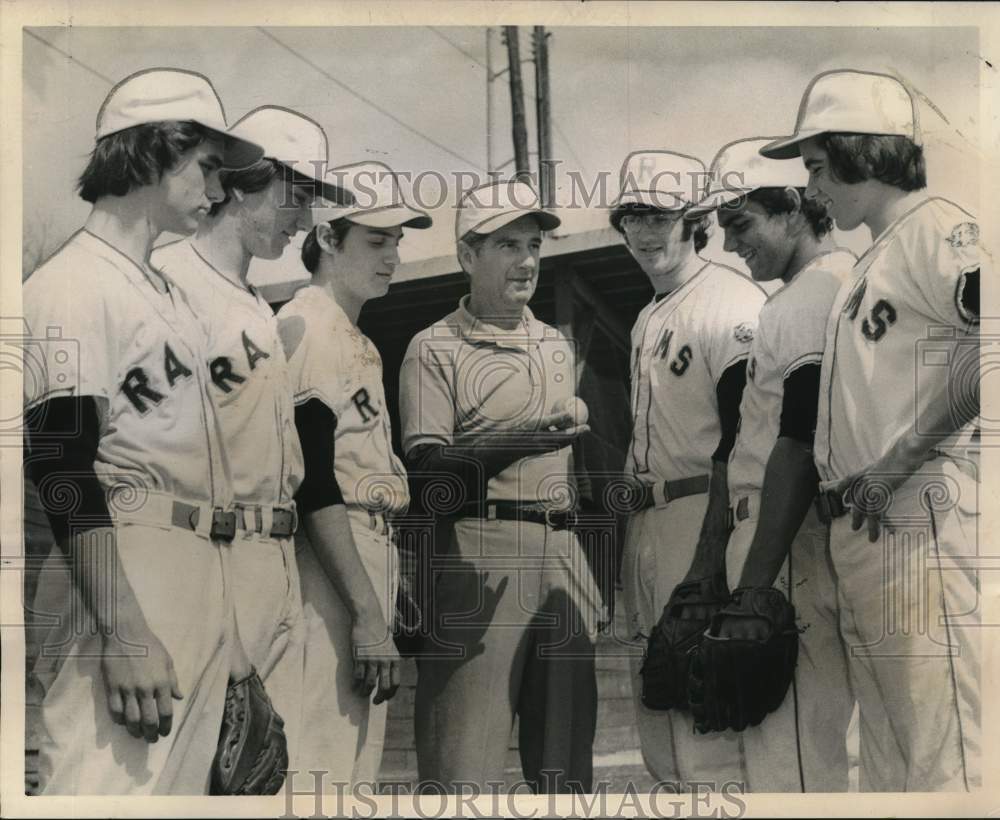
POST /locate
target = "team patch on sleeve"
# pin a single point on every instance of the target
(964, 234)
(743, 332)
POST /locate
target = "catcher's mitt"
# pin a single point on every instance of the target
(665, 665)
(736, 682)
(252, 755)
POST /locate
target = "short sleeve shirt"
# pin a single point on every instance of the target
(880, 370)
(791, 333)
(100, 328)
(682, 343)
(248, 377)
(337, 364)
(462, 376)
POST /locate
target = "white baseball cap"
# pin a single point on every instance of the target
(851, 102)
(295, 141)
(739, 168)
(171, 94)
(376, 198)
(489, 207)
(660, 179)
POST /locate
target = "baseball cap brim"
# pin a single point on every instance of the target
(715, 200)
(653, 199)
(547, 220)
(334, 194)
(788, 147)
(402, 216)
(236, 152)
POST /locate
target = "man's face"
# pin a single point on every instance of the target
(504, 270)
(762, 240)
(846, 203)
(188, 189)
(271, 217)
(367, 258)
(655, 240)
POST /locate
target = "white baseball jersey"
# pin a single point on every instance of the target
(337, 364)
(465, 376)
(247, 374)
(791, 332)
(100, 328)
(879, 368)
(681, 345)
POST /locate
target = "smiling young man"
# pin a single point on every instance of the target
(689, 351)
(777, 539)
(896, 420)
(265, 205)
(513, 607)
(120, 419)
(353, 484)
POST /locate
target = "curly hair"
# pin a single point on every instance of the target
(780, 201)
(136, 156)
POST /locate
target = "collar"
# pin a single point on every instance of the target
(476, 331)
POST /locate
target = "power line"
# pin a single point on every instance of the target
(458, 48)
(69, 56)
(364, 99)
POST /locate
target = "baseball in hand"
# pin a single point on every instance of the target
(575, 407)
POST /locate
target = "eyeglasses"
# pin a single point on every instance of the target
(632, 222)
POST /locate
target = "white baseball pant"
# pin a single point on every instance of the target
(802, 745)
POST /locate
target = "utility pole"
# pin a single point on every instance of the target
(543, 118)
(489, 99)
(518, 127)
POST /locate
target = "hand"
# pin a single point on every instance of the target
(140, 687)
(377, 665)
(870, 492)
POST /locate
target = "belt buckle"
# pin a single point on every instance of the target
(223, 524)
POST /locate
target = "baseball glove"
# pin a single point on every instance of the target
(252, 755)
(735, 683)
(665, 665)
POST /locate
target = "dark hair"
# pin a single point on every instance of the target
(780, 201)
(310, 247)
(698, 228)
(136, 156)
(894, 160)
(256, 178)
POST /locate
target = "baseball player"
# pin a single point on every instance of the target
(896, 405)
(121, 423)
(777, 537)
(689, 350)
(354, 482)
(265, 205)
(514, 608)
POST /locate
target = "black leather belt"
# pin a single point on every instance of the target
(672, 490)
(520, 511)
(187, 516)
(830, 505)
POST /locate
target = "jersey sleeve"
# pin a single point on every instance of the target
(69, 347)
(426, 393)
(943, 256)
(731, 326)
(315, 361)
(799, 320)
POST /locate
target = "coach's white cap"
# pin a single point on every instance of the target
(295, 141)
(851, 102)
(170, 94)
(491, 206)
(377, 199)
(739, 169)
(660, 179)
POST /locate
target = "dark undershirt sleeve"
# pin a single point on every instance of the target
(63, 435)
(728, 395)
(969, 295)
(800, 405)
(316, 424)
(429, 464)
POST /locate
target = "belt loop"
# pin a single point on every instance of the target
(264, 518)
(491, 512)
(659, 492)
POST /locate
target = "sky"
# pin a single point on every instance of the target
(415, 98)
